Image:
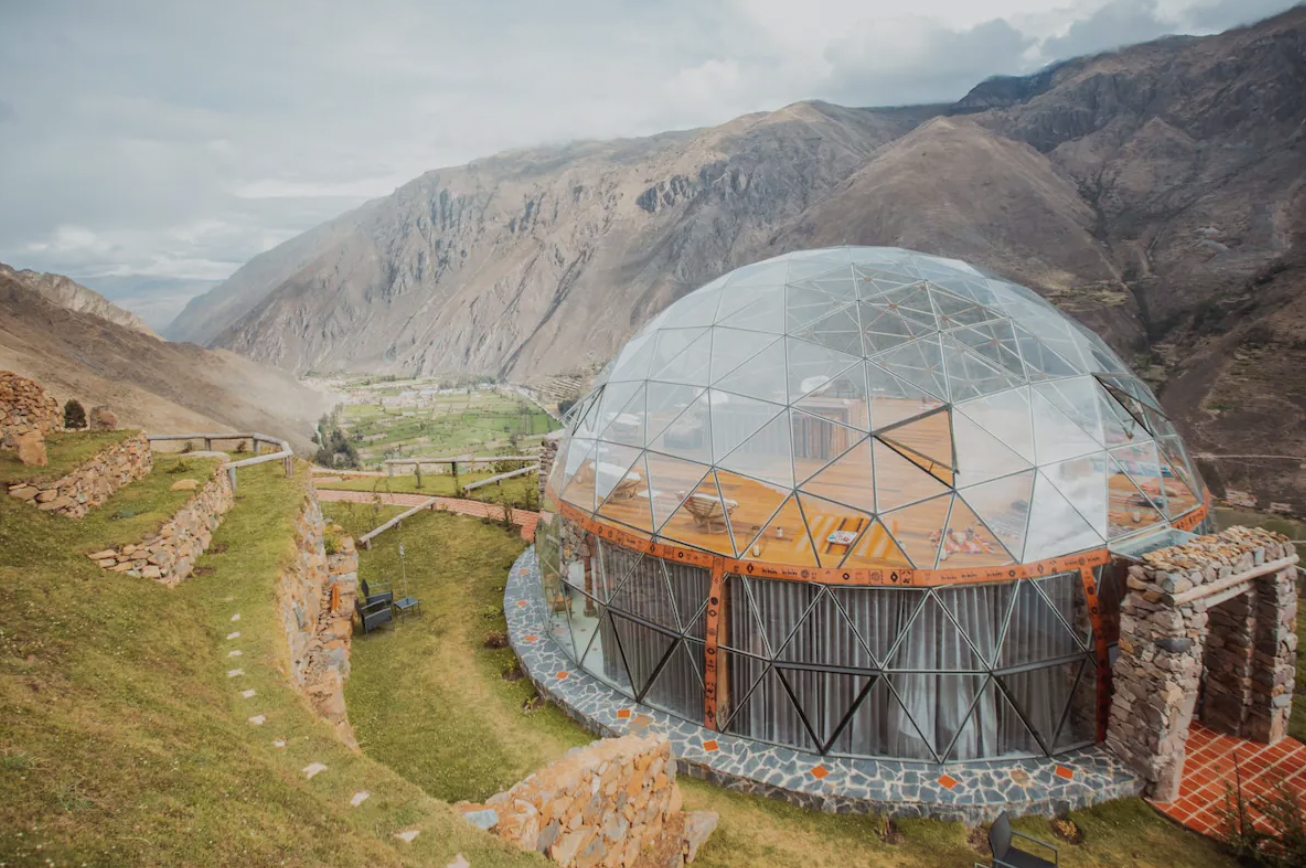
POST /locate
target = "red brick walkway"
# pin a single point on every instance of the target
(523, 518)
(1210, 767)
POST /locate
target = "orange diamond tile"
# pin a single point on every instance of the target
(623, 713)
(521, 604)
(1067, 773)
(711, 745)
(531, 638)
(948, 781)
(820, 772)
(563, 675)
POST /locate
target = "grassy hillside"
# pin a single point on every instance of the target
(124, 743)
(426, 690)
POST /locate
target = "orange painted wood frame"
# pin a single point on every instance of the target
(713, 677)
(1100, 651)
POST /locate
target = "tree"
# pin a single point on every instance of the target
(74, 415)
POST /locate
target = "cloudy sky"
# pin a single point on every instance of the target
(175, 139)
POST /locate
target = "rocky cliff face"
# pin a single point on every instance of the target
(68, 293)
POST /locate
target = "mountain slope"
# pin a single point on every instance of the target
(68, 293)
(149, 383)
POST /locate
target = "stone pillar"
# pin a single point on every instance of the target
(1274, 658)
(1228, 662)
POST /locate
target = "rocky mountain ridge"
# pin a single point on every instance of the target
(68, 293)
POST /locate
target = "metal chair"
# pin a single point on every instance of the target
(1005, 853)
(373, 614)
(380, 596)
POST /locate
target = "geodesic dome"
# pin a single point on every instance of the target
(863, 415)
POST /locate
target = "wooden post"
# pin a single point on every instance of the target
(418, 465)
(208, 444)
(231, 473)
(457, 489)
(390, 469)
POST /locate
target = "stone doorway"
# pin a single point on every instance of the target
(1214, 616)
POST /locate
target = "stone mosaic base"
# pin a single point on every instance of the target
(970, 792)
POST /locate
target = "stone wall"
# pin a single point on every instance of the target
(1219, 610)
(316, 599)
(614, 803)
(548, 451)
(168, 555)
(24, 406)
(93, 482)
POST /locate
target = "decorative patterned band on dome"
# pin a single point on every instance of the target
(857, 577)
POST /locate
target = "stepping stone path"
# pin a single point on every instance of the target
(228, 599)
(459, 861)
(258, 719)
(407, 837)
(235, 653)
(235, 635)
(248, 694)
(359, 798)
(232, 673)
(313, 769)
(281, 742)
(235, 617)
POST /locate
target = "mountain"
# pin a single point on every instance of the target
(146, 381)
(1154, 192)
(156, 300)
(68, 293)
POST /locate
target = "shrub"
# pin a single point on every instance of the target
(74, 415)
(188, 446)
(1283, 844)
(242, 447)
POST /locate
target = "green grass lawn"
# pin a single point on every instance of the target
(425, 691)
(65, 449)
(441, 484)
(124, 743)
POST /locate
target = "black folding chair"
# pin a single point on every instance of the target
(1006, 854)
(382, 594)
(374, 614)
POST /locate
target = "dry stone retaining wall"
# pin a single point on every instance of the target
(316, 599)
(92, 483)
(1188, 614)
(168, 555)
(24, 407)
(613, 803)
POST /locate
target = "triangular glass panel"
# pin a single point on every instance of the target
(1035, 631)
(1056, 528)
(732, 347)
(781, 607)
(618, 472)
(1180, 492)
(735, 419)
(748, 506)
(614, 566)
(880, 616)
(938, 703)
(784, 540)
(678, 688)
(817, 440)
(634, 359)
(702, 520)
(826, 637)
(689, 589)
(623, 422)
(1004, 506)
(1119, 425)
(970, 375)
(820, 265)
(899, 482)
(883, 329)
(1041, 361)
(1079, 726)
(767, 455)
(698, 308)
(913, 304)
(737, 677)
(689, 435)
(835, 529)
(919, 363)
(769, 714)
(742, 628)
(646, 596)
(603, 656)
(812, 367)
(1056, 437)
(805, 304)
(849, 479)
(839, 283)
(879, 727)
(1131, 385)
(1077, 398)
(918, 529)
(689, 365)
(666, 401)
(825, 698)
(838, 331)
(671, 342)
(981, 456)
(560, 621)
(1130, 509)
(876, 549)
(764, 377)
(670, 481)
(754, 308)
(842, 399)
(1065, 594)
(935, 642)
(968, 543)
(1083, 482)
(643, 648)
(927, 443)
(1142, 462)
(894, 400)
(954, 312)
(980, 611)
(1006, 416)
(629, 503)
(1040, 696)
(585, 422)
(558, 476)
(580, 490)
(995, 729)
(996, 343)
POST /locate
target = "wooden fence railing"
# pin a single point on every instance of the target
(283, 452)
